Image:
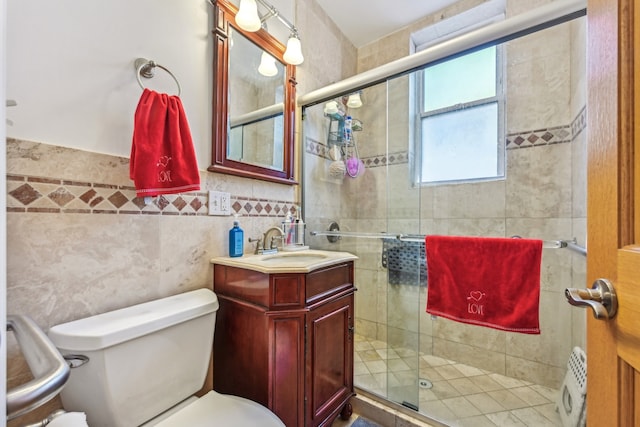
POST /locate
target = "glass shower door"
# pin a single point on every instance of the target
(403, 260)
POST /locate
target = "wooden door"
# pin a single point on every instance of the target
(613, 108)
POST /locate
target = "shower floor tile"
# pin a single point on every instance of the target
(458, 394)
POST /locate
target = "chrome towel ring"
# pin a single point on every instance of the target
(144, 68)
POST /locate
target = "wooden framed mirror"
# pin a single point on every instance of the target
(253, 111)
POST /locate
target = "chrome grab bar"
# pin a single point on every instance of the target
(49, 369)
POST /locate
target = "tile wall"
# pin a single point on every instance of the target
(81, 243)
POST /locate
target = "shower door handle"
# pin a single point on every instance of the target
(601, 298)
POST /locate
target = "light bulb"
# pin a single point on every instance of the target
(247, 17)
(293, 54)
(354, 100)
(267, 65)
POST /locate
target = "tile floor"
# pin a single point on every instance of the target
(461, 395)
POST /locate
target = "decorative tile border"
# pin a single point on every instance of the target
(539, 137)
(52, 195)
(30, 194)
(316, 148)
(516, 140)
(401, 157)
(261, 207)
(321, 149)
(549, 136)
(579, 123)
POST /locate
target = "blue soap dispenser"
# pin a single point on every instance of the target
(236, 239)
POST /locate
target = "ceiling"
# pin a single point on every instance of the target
(363, 21)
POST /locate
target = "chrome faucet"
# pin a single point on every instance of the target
(270, 241)
(267, 244)
(259, 247)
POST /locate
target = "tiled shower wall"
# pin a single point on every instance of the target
(543, 196)
(396, 312)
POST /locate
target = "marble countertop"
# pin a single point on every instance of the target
(303, 261)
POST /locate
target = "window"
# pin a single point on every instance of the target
(460, 131)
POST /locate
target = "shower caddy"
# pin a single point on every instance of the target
(347, 145)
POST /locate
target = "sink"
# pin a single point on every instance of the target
(297, 257)
(287, 262)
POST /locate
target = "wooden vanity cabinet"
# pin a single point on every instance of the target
(285, 340)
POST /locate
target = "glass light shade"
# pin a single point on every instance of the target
(354, 101)
(293, 54)
(267, 65)
(247, 17)
(331, 107)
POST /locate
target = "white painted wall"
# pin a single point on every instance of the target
(70, 68)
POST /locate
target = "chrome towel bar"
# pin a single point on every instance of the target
(548, 244)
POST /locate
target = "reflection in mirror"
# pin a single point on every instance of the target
(253, 102)
(256, 88)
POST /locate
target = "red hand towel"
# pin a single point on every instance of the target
(486, 281)
(163, 159)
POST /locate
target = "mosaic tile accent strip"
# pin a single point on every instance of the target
(401, 157)
(554, 135)
(29, 194)
(579, 123)
(516, 140)
(261, 207)
(316, 148)
(535, 138)
(322, 150)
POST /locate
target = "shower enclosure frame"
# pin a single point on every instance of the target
(512, 28)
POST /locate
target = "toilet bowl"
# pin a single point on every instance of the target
(226, 409)
(145, 362)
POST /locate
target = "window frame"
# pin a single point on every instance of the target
(422, 114)
(487, 13)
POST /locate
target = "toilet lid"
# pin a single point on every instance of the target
(214, 409)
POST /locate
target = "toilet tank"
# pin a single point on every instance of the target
(143, 359)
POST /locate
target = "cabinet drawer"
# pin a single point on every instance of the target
(287, 291)
(322, 283)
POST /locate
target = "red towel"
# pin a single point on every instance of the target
(486, 281)
(163, 160)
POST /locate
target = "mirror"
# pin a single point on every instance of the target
(256, 93)
(253, 102)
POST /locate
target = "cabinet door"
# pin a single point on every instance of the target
(329, 382)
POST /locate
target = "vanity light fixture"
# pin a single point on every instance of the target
(267, 65)
(293, 54)
(331, 108)
(250, 20)
(247, 17)
(354, 100)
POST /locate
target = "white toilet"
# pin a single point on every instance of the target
(146, 362)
